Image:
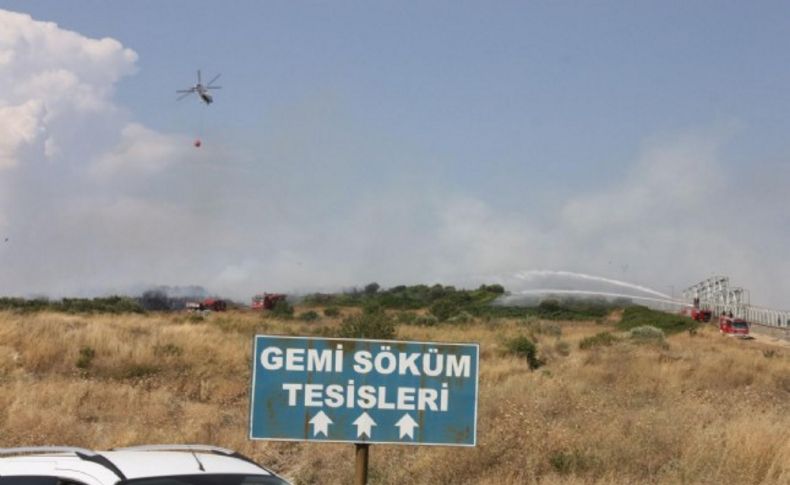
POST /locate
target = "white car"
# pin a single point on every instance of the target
(139, 465)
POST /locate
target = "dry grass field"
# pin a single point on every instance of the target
(696, 409)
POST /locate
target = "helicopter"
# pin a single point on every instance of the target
(200, 89)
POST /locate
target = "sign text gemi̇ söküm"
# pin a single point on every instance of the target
(372, 391)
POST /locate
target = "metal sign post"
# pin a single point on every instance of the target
(364, 392)
(361, 468)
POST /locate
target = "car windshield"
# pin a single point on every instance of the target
(740, 325)
(209, 480)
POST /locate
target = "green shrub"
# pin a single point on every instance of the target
(407, 317)
(371, 288)
(309, 316)
(370, 324)
(603, 339)
(332, 312)
(372, 307)
(410, 297)
(462, 317)
(549, 306)
(563, 348)
(426, 320)
(562, 462)
(137, 371)
(85, 359)
(283, 309)
(167, 350)
(647, 333)
(524, 347)
(495, 289)
(637, 316)
(565, 463)
(444, 309)
(110, 304)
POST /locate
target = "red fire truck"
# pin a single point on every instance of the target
(266, 301)
(209, 304)
(700, 315)
(736, 327)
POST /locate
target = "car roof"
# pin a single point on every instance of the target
(131, 463)
(144, 464)
(57, 464)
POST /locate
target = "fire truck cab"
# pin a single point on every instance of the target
(737, 327)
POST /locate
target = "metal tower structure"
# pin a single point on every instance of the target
(716, 294)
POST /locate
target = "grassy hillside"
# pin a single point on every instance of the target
(698, 408)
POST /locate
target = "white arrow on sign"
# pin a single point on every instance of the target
(363, 424)
(406, 426)
(321, 424)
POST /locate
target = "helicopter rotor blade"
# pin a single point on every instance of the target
(199, 82)
(183, 95)
(213, 87)
(215, 78)
(190, 90)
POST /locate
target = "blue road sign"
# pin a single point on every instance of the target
(364, 391)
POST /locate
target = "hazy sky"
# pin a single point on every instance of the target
(398, 142)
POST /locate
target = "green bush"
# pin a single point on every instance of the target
(371, 288)
(409, 297)
(332, 312)
(603, 339)
(524, 347)
(407, 317)
(85, 359)
(563, 348)
(637, 316)
(110, 304)
(647, 333)
(549, 306)
(462, 317)
(137, 371)
(283, 309)
(370, 324)
(168, 350)
(309, 316)
(426, 320)
(495, 289)
(22, 305)
(372, 307)
(565, 463)
(444, 309)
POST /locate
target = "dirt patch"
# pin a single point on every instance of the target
(771, 336)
